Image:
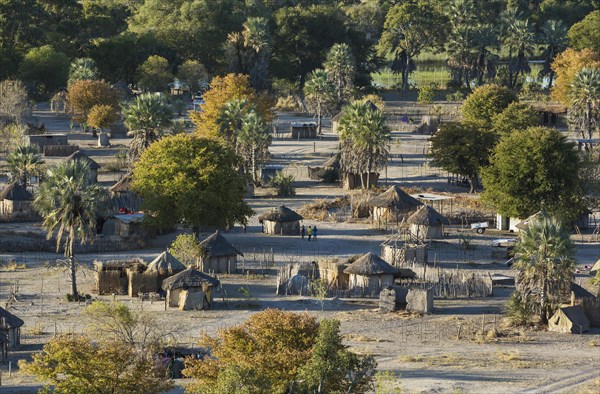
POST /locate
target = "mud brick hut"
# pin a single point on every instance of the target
(16, 204)
(189, 289)
(281, 221)
(123, 197)
(113, 276)
(94, 167)
(369, 274)
(392, 205)
(427, 223)
(10, 330)
(150, 280)
(570, 320)
(218, 255)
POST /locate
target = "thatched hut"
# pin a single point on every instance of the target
(94, 166)
(150, 281)
(332, 165)
(10, 326)
(303, 130)
(401, 252)
(189, 289)
(218, 255)
(569, 320)
(392, 204)
(113, 276)
(281, 221)
(16, 204)
(123, 197)
(427, 223)
(369, 274)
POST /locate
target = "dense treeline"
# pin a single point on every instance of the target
(284, 40)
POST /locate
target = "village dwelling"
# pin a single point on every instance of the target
(189, 289)
(127, 226)
(332, 273)
(303, 130)
(281, 221)
(16, 204)
(150, 280)
(569, 320)
(332, 165)
(123, 197)
(94, 166)
(391, 205)
(404, 252)
(10, 325)
(218, 255)
(369, 274)
(427, 223)
(112, 277)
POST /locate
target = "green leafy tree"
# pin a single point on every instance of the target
(257, 41)
(364, 139)
(515, 117)
(186, 249)
(69, 204)
(193, 74)
(319, 93)
(76, 364)
(146, 117)
(545, 259)
(154, 75)
(83, 68)
(192, 181)
(45, 70)
(530, 169)
(463, 148)
(584, 114)
(485, 102)
(23, 162)
(340, 67)
(585, 33)
(231, 120)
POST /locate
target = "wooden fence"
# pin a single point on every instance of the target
(454, 284)
(60, 150)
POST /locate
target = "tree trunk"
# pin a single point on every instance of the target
(319, 116)
(254, 175)
(472, 184)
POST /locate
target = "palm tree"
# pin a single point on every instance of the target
(83, 69)
(146, 117)
(69, 204)
(340, 67)
(554, 37)
(319, 93)
(521, 39)
(364, 138)
(257, 41)
(253, 140)
(584, 114)
(545, 260)
(231, 119)
(460, 55)
(23, 162)
(485, 38)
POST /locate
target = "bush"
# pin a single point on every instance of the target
(487, 101)
(186, 249)
(331, 175)
(284, 185)
(456, 96)
(519, 311)
(288, 103)
(427, 93)
(45, 70)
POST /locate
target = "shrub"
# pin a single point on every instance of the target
(284, 185)
(519, 312)
(331, 175)
(427, 93)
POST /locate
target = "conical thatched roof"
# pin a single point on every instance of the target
(124, 185)
(370, 264)
(596, 267)
(427, 216)
(165, 262)
(523, 224)
(191, 277)
(78, 155)
(16, 192)
(11, 320)
(280, 214)
(394, 197)
(217, 245)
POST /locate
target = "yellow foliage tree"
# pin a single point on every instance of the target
(566, 66)
(222, 90)
(101, 116)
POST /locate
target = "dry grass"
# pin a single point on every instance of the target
(411, 359)
(509, 356)
(362, 338)
(12, 266)
(593, 343)
(323, 209)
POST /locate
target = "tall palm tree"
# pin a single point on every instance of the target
(460, 54)
(364, 138)
(69, 204)
(319, 94)
(584, 114)
(257, 40)
(545, 260)
(554, 38)
(485, 38)
(24, 162)
(146, 117)
(340, 67)
(521, 40)
(253, 140)
(231, 119)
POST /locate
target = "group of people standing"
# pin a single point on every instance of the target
(311, 231)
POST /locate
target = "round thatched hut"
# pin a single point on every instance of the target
(218, 255)
(94, 166)
(189, 289)
(370, 273)
(281, 221)
(16, 204)
(427, 223)
(391, 205)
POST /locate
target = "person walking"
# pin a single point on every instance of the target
(315, 233)
(309, 231)
(302, 231)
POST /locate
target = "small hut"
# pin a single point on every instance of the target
(392, 204)
(281, 221)
(569, 319)
(123, 197)
(304, 130)
(320, 173)
(218, 255)
(150, 281)
(370, 273)
(402, 252)
(189, 289)
(78, 155)
(16, 204)
(10, 325)
(113, 276)
(427, 223)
